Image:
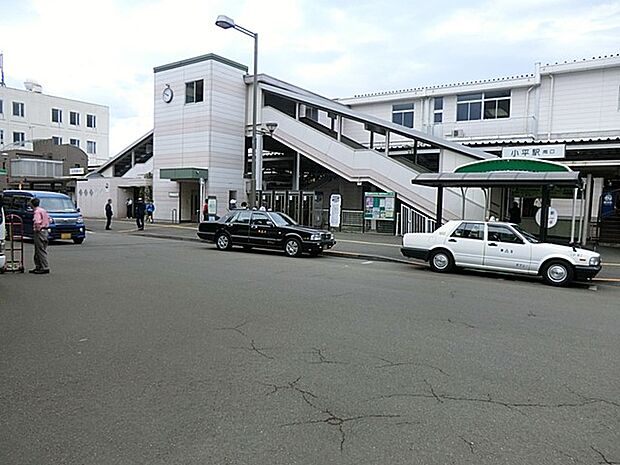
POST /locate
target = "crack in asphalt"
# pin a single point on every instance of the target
(234, 328)
(258, 350)
(391, 364)
(322, 358)
(449, 320)
(605, 460)
(331, 418)
(440, 398)
(469, 443)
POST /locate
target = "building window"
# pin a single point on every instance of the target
(74, 118)
(91, 147)
(19, 137)
(438, 109)
(403, 114)
(468, 107)
(57, 140)
(18, 109)
(1, 107)
(74, 142)
(91, 121)
(56, 115)
(496, 104)
(194, 91)
(312, 113)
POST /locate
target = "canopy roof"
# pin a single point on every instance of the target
(503, 172)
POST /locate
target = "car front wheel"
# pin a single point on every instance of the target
(558, 273)
(441, 261)
(292, 247)
(223, 242)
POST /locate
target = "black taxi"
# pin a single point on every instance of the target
(267, 230)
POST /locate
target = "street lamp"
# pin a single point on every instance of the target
(226, 23)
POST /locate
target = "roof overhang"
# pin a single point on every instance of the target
(183, 174)
(499, 179)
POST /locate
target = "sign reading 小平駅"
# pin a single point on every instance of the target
(379, 206)
(535, 151)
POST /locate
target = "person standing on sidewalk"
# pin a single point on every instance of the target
(41, 223)
(108, 214)
(150, 209)
(129, 205)
(140, 210)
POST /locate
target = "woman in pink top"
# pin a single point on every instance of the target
(41, 223)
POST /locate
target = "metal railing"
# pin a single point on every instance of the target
(412, 221)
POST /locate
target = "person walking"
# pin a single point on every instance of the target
(129, 205)
(205, 211)
(140, 210)
(41, 223)
(150, 208)
(515, 213)
(108, 214)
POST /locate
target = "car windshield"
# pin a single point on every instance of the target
(57, 204)
(528, 236)
(280, 219)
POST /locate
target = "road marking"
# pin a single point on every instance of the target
(367, 263)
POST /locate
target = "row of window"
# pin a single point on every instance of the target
(74, 118)
(19, 109)
(469, 107)
(19, 138)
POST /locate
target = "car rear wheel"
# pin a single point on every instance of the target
(441, 261)
(223, 242)
(558, 273)
(292, 247)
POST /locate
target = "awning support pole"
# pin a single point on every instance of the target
(572, 220)
(439, 207)
(544, 213)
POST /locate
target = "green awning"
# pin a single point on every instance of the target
(512, 164)
(181, 174)
(2, 172)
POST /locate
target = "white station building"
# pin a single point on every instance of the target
(368, 148)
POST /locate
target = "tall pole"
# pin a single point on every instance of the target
(253, 200)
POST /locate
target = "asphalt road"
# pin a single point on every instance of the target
(138, 350)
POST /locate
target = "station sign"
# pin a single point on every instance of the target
(535, 151)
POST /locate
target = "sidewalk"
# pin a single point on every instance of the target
(369, 246)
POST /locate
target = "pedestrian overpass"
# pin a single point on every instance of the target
(362, 148)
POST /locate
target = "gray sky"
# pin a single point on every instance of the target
(104, 51)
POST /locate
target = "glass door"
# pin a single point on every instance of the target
(307, 208)
(292, 208)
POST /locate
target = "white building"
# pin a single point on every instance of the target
(27, 115)
(569, 113)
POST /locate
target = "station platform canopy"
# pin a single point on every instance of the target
(503, 172)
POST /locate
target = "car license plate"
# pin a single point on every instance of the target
(64, 236)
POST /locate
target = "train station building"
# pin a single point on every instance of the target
(365, 150)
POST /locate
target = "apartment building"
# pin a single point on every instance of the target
(28, 114)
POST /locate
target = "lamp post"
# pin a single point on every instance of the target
(226, 23)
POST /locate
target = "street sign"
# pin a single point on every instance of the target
(551, 221)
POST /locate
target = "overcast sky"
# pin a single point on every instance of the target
(104, 51)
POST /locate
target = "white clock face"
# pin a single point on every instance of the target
(167, 95)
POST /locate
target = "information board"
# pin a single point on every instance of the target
(379, 206)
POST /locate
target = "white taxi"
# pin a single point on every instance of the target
(504, 247)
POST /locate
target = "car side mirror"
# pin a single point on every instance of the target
(78, 210)
(270, 224)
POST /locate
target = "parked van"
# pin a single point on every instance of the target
(66, 222)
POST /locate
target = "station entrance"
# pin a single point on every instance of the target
(305, 207)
